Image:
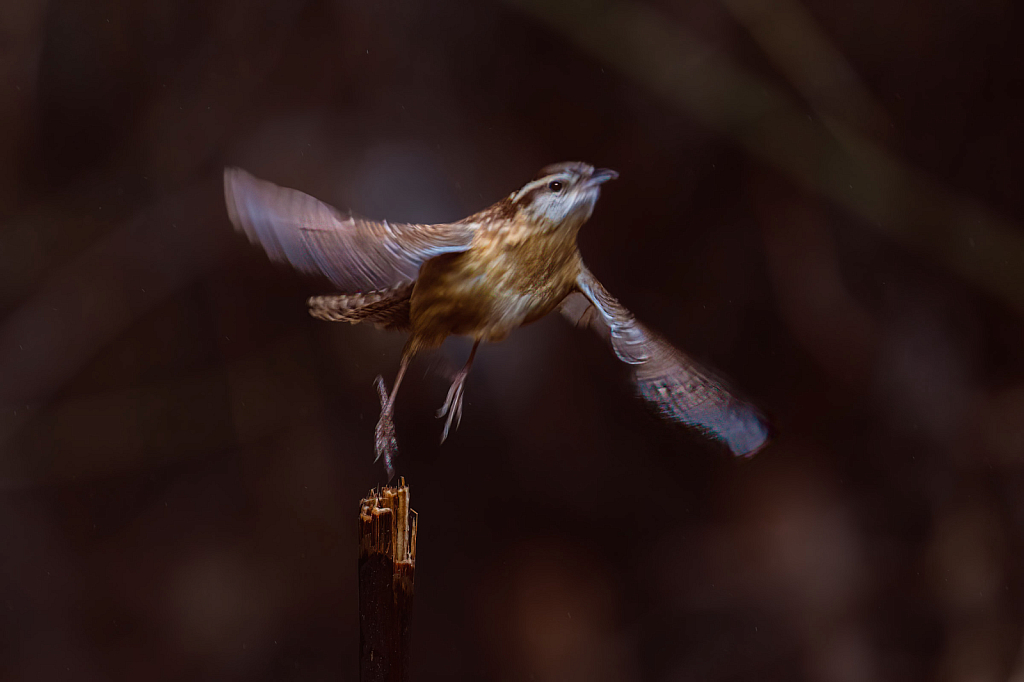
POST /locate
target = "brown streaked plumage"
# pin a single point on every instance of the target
(481, 277)
(388, 309)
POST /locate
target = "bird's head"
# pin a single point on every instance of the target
(561, 196)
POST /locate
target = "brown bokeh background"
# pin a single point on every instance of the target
(820, 199)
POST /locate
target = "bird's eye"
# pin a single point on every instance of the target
(555, 186)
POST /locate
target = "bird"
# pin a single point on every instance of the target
(482, 277)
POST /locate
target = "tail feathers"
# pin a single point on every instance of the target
(387, 309)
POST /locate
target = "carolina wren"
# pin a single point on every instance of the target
(481, 277)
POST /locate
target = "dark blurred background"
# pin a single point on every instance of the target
(821, 199)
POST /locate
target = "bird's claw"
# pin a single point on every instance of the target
(452, 405)
(385, 441)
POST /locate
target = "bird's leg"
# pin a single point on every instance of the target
(384, 440)
(453, 404)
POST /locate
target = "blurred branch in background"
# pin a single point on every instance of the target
(792, 39)
(829, 158)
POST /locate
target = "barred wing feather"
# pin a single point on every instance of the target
(675, 385)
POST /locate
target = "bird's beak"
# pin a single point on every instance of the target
(601, 175)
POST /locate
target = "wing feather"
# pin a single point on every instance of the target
(314, 237)
(674, 384)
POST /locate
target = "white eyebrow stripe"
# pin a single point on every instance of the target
(534, 184)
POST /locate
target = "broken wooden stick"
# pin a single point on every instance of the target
(387, 570)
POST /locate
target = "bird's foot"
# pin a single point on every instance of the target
(453, 404)
(384, 438)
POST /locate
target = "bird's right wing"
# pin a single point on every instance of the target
(314, 237)
(679, 388)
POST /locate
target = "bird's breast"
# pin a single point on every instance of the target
(492, 288)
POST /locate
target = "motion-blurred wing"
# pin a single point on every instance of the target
(675, 385)
(355, 254)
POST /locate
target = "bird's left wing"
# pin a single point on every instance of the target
(679, 389)
(314, 237)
